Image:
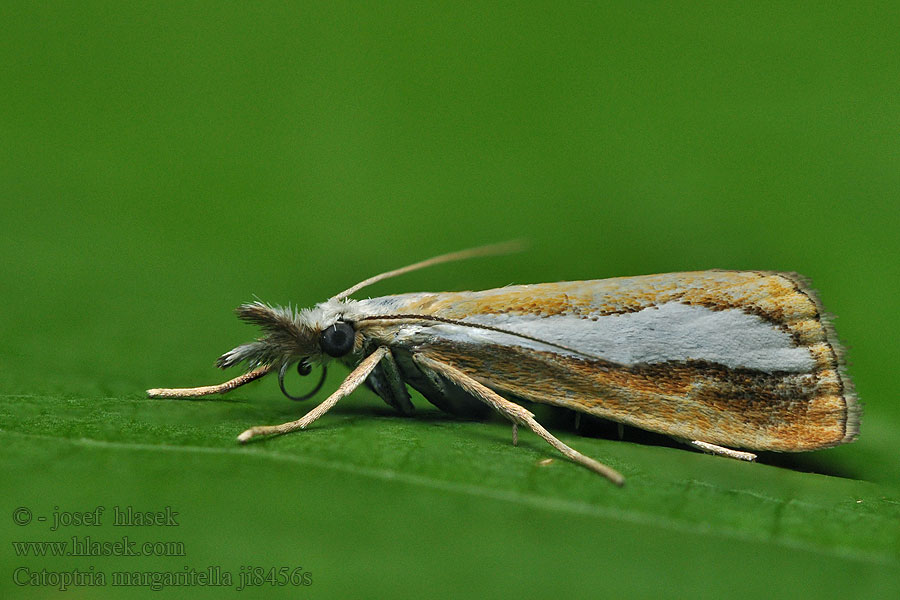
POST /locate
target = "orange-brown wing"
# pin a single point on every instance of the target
(741, 359)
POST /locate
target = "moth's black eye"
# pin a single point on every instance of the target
(337, 340)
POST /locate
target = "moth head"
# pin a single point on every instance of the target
(289, 336)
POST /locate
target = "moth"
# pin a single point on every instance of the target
(721, 360)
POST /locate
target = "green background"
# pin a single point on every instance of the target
(164, 162)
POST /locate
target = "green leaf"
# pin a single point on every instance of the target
(366, 498)
(165, 162)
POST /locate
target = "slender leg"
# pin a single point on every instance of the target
(722, 451)
(209, 389)
(514, 413)
(354, 379)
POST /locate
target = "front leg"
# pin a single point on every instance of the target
(353, 380)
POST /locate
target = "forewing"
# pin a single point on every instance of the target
(738, 358)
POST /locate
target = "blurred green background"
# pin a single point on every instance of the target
(164, 162)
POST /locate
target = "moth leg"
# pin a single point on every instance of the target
(515, 413)
(722, 451)
(353, 380)
(209, 389)
(387, 383)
